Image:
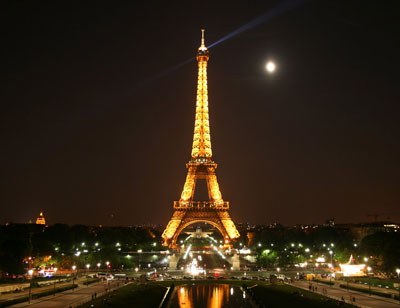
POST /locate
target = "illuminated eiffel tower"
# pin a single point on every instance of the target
(201, 166)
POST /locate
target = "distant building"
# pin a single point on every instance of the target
(361, 230)
(40, 220)
(330, 222)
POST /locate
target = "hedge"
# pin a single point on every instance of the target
(373, 292)
(36, 295)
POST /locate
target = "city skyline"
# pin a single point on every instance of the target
(99, 112)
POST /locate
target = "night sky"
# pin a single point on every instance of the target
(97, 123)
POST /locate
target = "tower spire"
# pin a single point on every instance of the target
(201, 139)
(202, 39)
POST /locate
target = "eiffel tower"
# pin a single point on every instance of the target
(201, 166)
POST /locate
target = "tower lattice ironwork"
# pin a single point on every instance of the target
(201, 166)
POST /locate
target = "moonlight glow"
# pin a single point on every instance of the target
(270, 67)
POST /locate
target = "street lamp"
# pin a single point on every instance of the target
(369, 284)
(30, 272)
(98, 266)
(87, 275)
(55, 271)
(331, 266)
(73, 276)
(398, 277)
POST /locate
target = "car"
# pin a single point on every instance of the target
(245, 278)
(254, 278)
(221, 277)
(187, 277)
(210, 277)
(234, 277)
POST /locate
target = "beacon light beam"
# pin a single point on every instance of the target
(274, 12)
(162, 74)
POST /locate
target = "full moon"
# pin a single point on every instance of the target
(270, 67)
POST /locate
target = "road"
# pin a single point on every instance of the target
(70, 298)
(361, 299)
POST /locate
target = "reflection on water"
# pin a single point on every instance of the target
(211, 296)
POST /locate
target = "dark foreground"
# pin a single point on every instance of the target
(261, 293)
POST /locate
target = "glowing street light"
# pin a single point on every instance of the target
(73, 276)
(369, 284)
(398, 277)
(87, 276)
(108, 266)
(98, 265)
(331, 266)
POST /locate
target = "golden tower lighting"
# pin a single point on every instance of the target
(201, 166)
